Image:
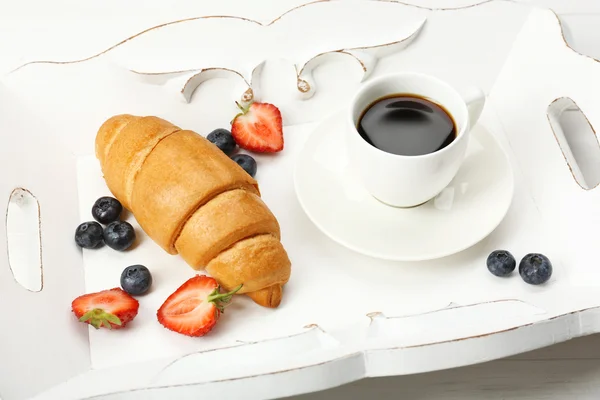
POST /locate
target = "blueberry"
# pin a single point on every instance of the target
(89, 235)
(136, 280)
(535, 268)
(119, 235)
(106, 210)
(246, 162)
(501, 263)
(223, 139)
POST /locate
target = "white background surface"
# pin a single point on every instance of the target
(570, 370)
(565, 371)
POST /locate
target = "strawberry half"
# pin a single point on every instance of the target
(111, 309)
(195, 307)
(258, 128)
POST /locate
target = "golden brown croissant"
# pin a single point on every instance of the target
(192, 199)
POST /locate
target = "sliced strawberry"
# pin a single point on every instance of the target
(194, 308)
(258, 128)
(111, 309)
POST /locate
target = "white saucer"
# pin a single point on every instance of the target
(468, 210)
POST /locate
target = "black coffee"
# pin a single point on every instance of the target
(407, 125)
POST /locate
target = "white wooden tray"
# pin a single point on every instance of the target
(370, 317)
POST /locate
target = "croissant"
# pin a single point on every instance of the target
(193, 200)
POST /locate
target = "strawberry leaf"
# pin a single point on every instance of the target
(96, 323)
(112, 318)
(98, 318)
(87, 316)
(220, 300)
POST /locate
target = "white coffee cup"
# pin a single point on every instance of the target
(408, 181)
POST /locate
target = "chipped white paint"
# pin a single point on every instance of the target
(326, 343)
(23, 237)
(541, 69)
(577, 140)
(200, 48)
(316, 364)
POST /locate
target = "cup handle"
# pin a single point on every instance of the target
(474, 98)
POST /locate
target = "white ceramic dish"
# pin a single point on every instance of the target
(464, 213)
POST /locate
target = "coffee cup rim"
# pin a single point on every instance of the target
(462, 129)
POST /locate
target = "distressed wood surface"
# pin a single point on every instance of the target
(565, 371)
(568, 370)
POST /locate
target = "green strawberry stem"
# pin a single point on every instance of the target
(98, 317)
(243, 110)
(220, 300)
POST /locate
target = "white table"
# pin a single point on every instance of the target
(565, 371)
